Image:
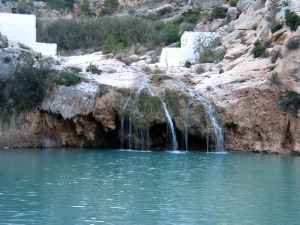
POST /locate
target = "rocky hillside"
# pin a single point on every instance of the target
(253, 86)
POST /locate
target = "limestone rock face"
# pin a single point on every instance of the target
(203, 4)
(71, 101)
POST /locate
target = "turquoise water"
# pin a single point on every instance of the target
(52, 186)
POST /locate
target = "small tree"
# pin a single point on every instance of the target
(292, 19)
(258, 49)
(111, 44)
(172, 32)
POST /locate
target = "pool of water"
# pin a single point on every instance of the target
(64, 186)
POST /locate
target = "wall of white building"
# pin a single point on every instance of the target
(178, 56)
(22, 28)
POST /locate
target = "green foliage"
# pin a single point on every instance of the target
(164, 11)
(293, 43)
(274, 78)
(158, 78)
(25, 89)
(187, 64)
(172, 33)
(258, 49)
(233, 3)
(275, 54)
(209, 50)
(93, 69)
(185, 26)
(190, 16)
(218, 13)
(82, 32)
(68, 77)
(60, 4)
(200, 69)
(111, 45)
(7, 59)
(85, 8)
(24, 7)
(292, 19)
(103, 89)
(110, 6)
(291, 100)
(148, 105)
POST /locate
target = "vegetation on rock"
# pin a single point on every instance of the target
(292, 19)
(26, 88)
(211, 51)
(291, 100)
(258, 49)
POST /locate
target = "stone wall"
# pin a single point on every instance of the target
(22, 29)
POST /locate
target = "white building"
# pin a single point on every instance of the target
(22, 28)
(178, 56)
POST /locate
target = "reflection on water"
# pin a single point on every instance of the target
(53, 186)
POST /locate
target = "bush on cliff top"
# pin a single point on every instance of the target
(25, 89)
(83, 32)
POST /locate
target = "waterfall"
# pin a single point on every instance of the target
(217, 130)
(186, 124)
(174, 139)
(130, 133)
(122, 133)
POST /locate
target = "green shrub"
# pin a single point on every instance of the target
(292, 19)
(172, 33)
(274, 78)
(74, 69)
(209, 52)
(185, 26)
(275, 55)
(68, 78)
(60, 4)
(187, 64)
(25, 89)
(83, 32)
(293, 43)
(7, 59)
(258, 49)
(190, 16)
(233, 3)
(200, 69)
(218, 13)
(164, 11)
(110, 6)
(93, 69)
(111, 45)
(85, 8)
(24, 7)
(291, 100)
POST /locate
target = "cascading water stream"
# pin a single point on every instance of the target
(186, 124)
(218, 135)
(143, 82)
(174, 139)
(123, 123)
